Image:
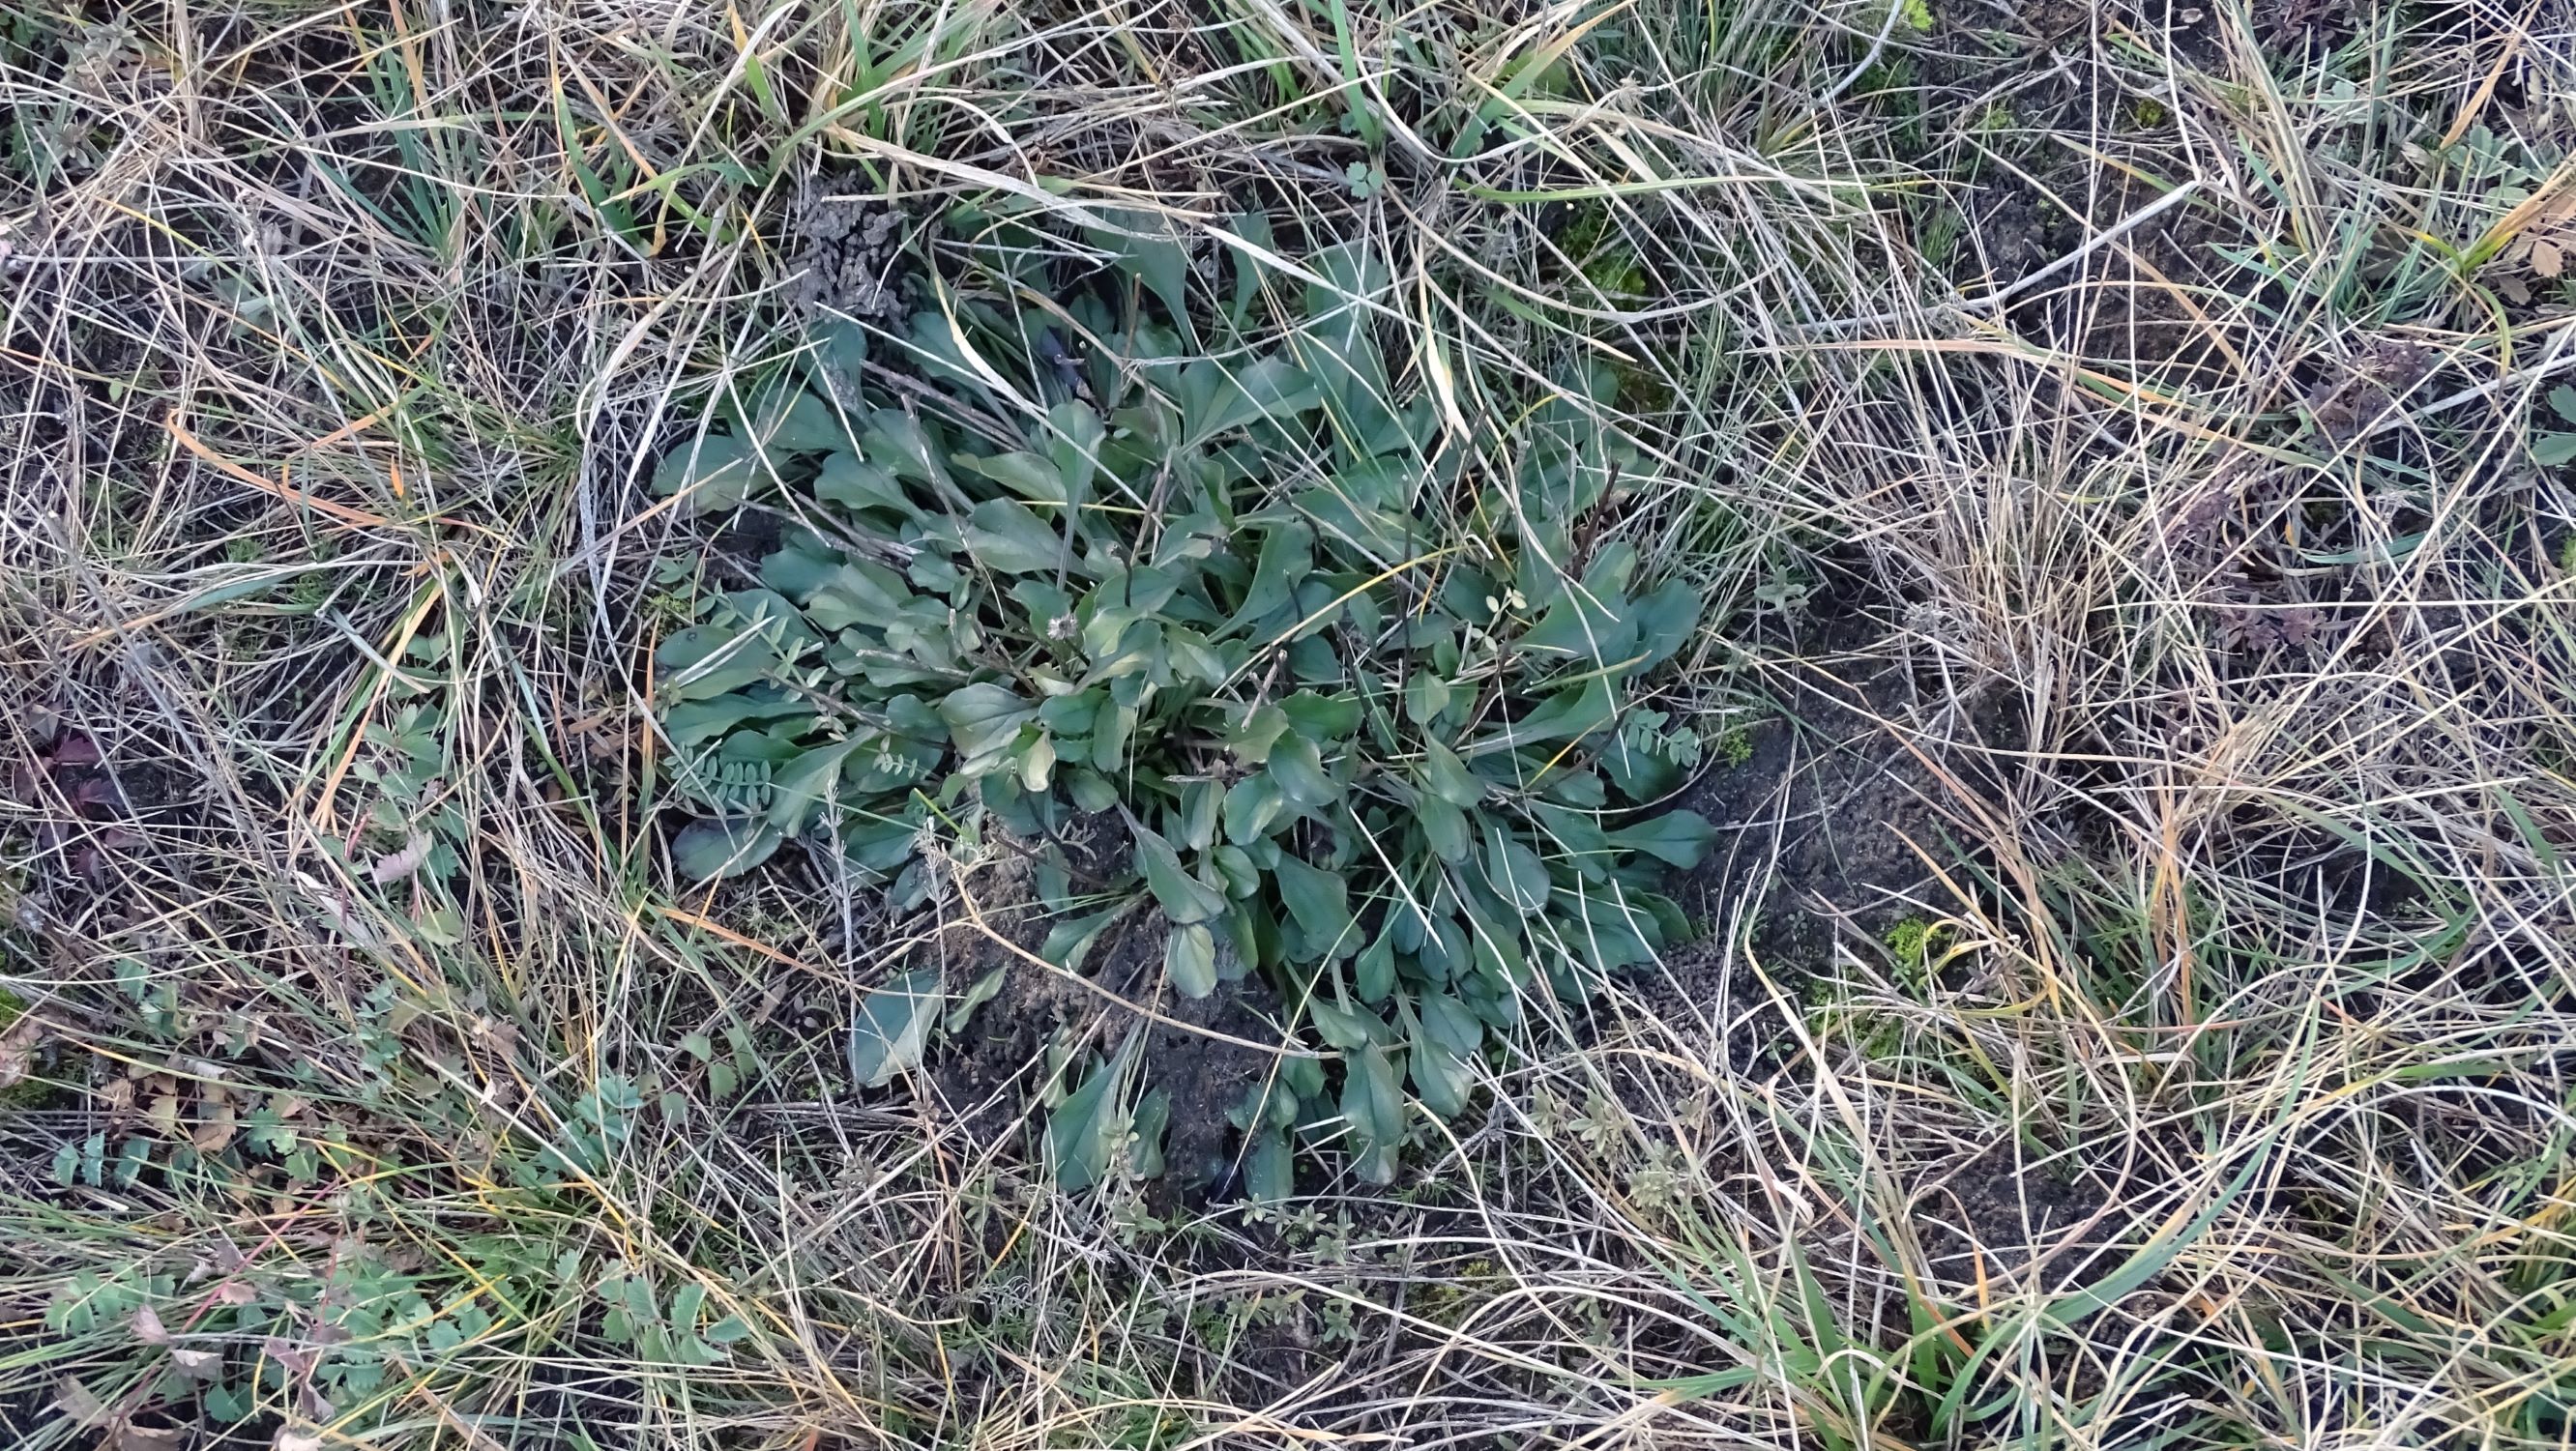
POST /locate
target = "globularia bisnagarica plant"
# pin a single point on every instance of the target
(1360, 710)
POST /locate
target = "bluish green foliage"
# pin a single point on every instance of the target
(1358, 713)
(2557, 448)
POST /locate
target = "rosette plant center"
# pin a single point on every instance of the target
(1355, 684)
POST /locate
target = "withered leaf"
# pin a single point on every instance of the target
(215, 1131)
(398, 865)
(78, 1403)
(18, 1048)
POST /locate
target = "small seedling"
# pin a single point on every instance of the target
(1911, 942)
(1736, 746)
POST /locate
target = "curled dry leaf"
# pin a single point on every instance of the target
(2256, 628)
(2357, 396)
(78, 1403)
(76, 750)
(216, 1131)
(393, 868)
(98, 795)
(334, 907)
(18, 1049)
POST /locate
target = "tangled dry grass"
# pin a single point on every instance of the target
(2202, 607)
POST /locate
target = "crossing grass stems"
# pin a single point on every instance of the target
(380, 1082)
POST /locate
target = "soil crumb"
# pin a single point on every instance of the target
(1825, 819)
(1998, 1214)
(847, 260)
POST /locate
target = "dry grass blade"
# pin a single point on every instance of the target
(2122, 454)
